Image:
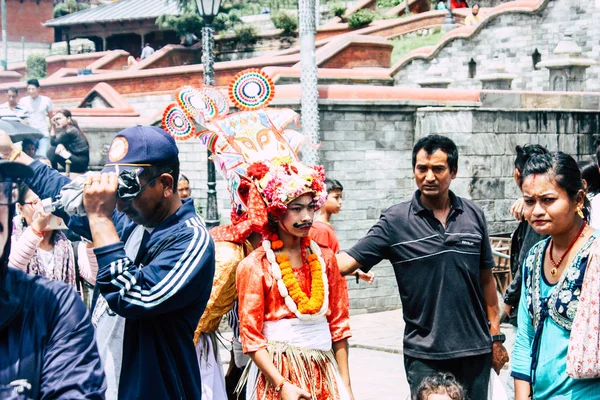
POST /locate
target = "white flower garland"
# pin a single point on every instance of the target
(289, 302)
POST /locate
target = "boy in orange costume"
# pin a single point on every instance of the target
(293, 302)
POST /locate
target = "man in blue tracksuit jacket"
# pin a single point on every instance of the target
(156, 264)
(47, 345)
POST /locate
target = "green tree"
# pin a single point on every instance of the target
(182, 24)
(361, 18)
(338, 10)
(36, 66)
(68, 7)
(286, 22)
(246, 36)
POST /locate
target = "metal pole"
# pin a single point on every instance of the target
(208, 60)
(308, 80)
(4, 37)
(449, 16)
(406, 8)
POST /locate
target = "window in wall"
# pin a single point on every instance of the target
(472, 69)
(536, 57)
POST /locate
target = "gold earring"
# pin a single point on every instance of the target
(580, 212)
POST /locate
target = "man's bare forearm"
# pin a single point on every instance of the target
(103, 231)
(346, 263)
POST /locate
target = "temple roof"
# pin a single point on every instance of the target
(123, 10)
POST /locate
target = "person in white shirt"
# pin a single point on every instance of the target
(11, 109)
(39, 110)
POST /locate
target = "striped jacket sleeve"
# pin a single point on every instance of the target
(180, 273)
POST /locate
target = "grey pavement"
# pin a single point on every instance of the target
(376, 361)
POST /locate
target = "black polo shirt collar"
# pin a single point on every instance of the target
(418, 207)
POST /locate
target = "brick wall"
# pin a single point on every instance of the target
(514, 38)
(361, 56)
(25, 18)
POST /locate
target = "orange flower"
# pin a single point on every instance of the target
(305, 304)
(282, 258)
(276, 245)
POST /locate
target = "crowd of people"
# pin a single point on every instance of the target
(162, 282)
(62, 142)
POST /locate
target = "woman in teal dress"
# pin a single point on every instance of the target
(554, 205)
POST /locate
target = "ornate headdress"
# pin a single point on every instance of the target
(255, 150)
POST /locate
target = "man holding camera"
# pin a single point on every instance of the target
(156, 263)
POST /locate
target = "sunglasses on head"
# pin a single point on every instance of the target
(129, 184)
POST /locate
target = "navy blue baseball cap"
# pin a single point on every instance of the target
(138, 147)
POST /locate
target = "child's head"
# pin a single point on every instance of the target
(333, 205)
(442, 386)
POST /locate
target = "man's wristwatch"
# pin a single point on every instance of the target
(499, 338)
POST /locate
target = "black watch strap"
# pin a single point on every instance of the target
(499, 338)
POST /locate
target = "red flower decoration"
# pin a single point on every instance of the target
(258, 170)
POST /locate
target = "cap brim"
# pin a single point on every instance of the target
(14, 170)
(113, 168)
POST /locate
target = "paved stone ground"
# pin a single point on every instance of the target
(376, 362)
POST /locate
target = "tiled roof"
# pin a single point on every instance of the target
(123, 10)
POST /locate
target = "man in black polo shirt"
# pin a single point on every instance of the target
(439, 248)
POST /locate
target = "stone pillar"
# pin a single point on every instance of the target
(434, 77)
(567, 68)
(497, 78)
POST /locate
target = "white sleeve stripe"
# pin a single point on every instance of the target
(175, 273)
(170, 274)
(133, 291)
(182, 270)
(148, 303)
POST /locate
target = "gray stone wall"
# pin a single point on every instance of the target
(486, 140)
(514, 38)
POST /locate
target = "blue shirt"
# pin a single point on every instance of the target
(551, 379)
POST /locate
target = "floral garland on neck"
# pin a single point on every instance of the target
(296, 300)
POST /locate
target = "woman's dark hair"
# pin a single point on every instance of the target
(431, 143)
(441, 383)
(524, 153)
(591, 174)
(73, 122)
(332, 184)
(565, 172)
(23, 190)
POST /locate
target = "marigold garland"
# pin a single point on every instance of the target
(297, 301)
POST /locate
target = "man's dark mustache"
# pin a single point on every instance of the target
(304, 225)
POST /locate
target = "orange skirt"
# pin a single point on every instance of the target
(312, 370)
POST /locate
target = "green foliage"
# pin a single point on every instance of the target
(221, 22)
(182, 24)
(361, 18)
(405, 45)
(387, 3)
(338, 10)
(246, 36)
(286, 22)
(36, 66)
(235, 16)
(68, 7)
